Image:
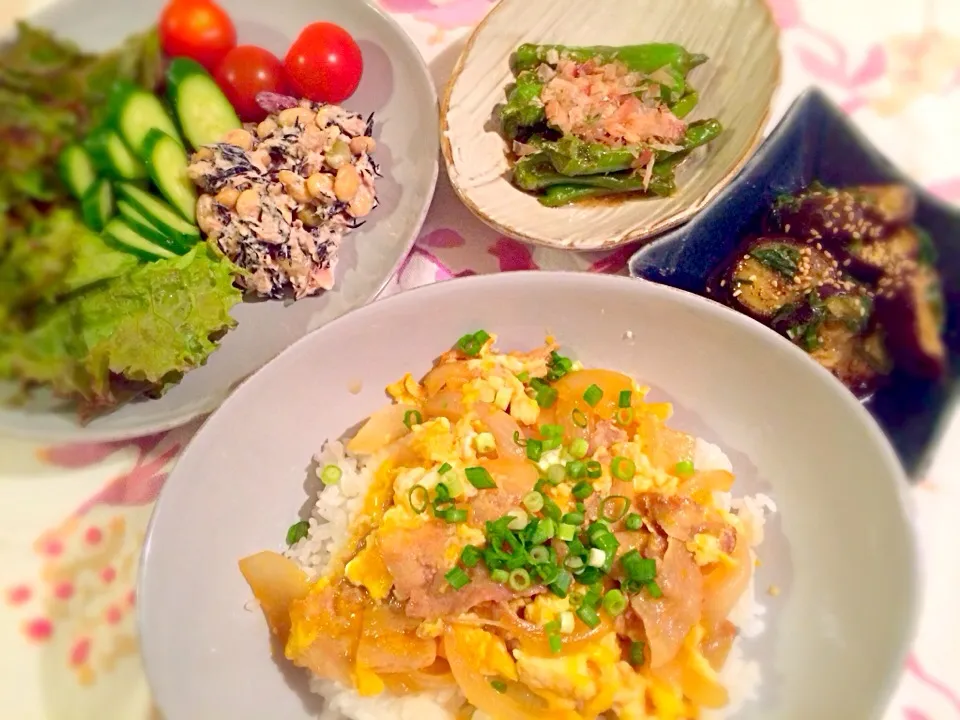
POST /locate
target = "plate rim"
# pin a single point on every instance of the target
(79, 433)
(664, 225)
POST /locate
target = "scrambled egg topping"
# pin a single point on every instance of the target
(581, 673)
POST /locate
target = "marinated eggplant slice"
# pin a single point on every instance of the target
(769, 273)
(841, 217)
(894, 255)
(857, 361)
(910, 308)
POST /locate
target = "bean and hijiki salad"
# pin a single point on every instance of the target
(846, 275)
(590, 122)
(117, 274)
(517, 535)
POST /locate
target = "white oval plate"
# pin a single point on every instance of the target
(396, 86)
(736, 86)
(840, 546)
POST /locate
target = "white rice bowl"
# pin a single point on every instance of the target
(337, 507)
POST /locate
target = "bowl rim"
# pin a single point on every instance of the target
(81, 433)
(423, 295)
(813, 96)
(678, 218)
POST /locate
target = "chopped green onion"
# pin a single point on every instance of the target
(412, 417)
(582, 490)
(297, 532)
(654, 589)
(519, 580)
(558, 366)
(566, 532)
(594, 469)
(573, 562)
(533, 501)
(419, 498)
(575, 599)
(548, 572)
(592, 395)
(539, 555)
(457, 578)
(624, 416)
(579, 419)
(479, 478)
(561, 584)
(472, 343)
(551, 509)
(485, 442)
(614, 603)
(522, 442)
(519, 519)
(579, 448)
(573, 518)
(556, 474)
(637, 567)
(635, 653)
(556, 644)
(551, 431)
(592, 598)
(625, 399)
(330, 475)
(596, 558)
(614, 507)
(606, 542)
(590, 575)
(499, 576)
(567, 622)
(470, 556)
(442, 491)
(444, 469)
(453, 515)
(551, 443)
(684, 467)
(588, 615)
(524, 377)
(455, 486)
(576, 469)
(534, 449)
(545, 530)
(499, 685)
(546, 396)
(623, 468)
(633, 522)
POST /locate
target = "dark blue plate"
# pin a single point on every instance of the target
(816, 141)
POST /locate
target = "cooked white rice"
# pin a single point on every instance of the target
(336, 507)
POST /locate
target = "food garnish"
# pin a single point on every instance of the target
(587, 122)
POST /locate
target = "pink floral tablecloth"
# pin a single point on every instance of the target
(72, 518)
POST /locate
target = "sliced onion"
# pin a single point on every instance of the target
(724, 585)
(504, 429)
(276, 581)
(451, 375)
(709, 480)
(446, 404)
(384, 427)
(533, 638)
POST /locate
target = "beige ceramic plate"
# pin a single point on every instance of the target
(736, 86)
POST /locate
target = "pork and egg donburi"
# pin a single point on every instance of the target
(513, 535)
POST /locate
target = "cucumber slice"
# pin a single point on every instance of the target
(160, 214)
(203, 110)
(77, 170)
(97, 205)
(112, 157)
(139, 222)
(167, 164)
(134, 112)
(126, 238)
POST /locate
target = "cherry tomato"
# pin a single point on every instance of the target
(246, 71)
(324, 63)
(197, 29)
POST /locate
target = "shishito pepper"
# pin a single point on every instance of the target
(523, 108)
(557, 195)
(685, 105)
(573, 157)
(639, 58)
(535, 172)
